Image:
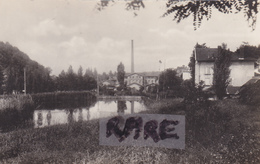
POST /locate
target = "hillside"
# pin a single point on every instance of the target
(12, 65)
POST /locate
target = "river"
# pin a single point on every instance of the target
(48, 117)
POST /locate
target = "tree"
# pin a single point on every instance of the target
(1, 79)
(80, 81)
(194, 93)
(121, 74)
(169, 82)
(13, 61)
(252, 52)
(192, 61)
(197, 9)
(221, 71)
(71, 79)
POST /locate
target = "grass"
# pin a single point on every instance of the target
(218, 132)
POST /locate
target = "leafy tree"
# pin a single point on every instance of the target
(192, 61)
(1, 79)
(197, 9)
(121, 74)
(110, 73)
(61, 81)
(13, 61)
(193, 93)
(249, 51)
(170, 82)
(250, 93)
(71, 79)
(80, 79)
(221, 71)
(89, 83)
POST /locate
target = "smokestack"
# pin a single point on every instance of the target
(132, 56)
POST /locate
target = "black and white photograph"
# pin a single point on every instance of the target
(129, 81)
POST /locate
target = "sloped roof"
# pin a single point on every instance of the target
(134, 84)
(253, 80)
(209, 54)
(206, 54)
(144, 73)
(233, 90)
(110, 82)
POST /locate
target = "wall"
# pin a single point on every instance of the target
(241, 72)
(204, 72)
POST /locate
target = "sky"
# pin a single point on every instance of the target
(60, 33)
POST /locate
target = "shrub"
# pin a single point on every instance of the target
(193, 94)
(250, 93)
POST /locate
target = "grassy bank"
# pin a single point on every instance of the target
(219, 132)
(15, 102)
(70, 99)
(16, 111)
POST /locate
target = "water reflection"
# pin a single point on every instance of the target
(40, 119)
(121, 106)
(80, 118)
(47, 117)
(70, 116)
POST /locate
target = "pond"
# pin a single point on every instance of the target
(47, 117)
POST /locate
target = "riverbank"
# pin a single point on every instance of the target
(66, 99)
(218, 132)
(16, 111)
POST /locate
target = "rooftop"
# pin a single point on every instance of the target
(144, 73)
(209, 54)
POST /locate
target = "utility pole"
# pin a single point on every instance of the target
(24, 74)
(157, 97)
(132, 56)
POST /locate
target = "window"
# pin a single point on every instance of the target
(207, 70)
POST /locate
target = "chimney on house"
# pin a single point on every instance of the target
(132, 56)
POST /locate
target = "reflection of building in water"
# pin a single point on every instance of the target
(40, 118)
(121, 106)
(80, 115)
(88, 114)
(49, 118)
(132, 106)
(70, 116)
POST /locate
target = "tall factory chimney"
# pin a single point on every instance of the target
(132, 56)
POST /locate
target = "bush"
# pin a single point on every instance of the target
(250, 94)
(193, 94)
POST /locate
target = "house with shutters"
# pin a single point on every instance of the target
(241, 70)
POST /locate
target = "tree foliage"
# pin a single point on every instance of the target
(249, 51)
(121, 74)
(192, 62)
(250, 93)
(194, 93)
(169, 82)
(70, 81)
(203, 10)
(197, 9)
(13, 62)
(221, 71)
